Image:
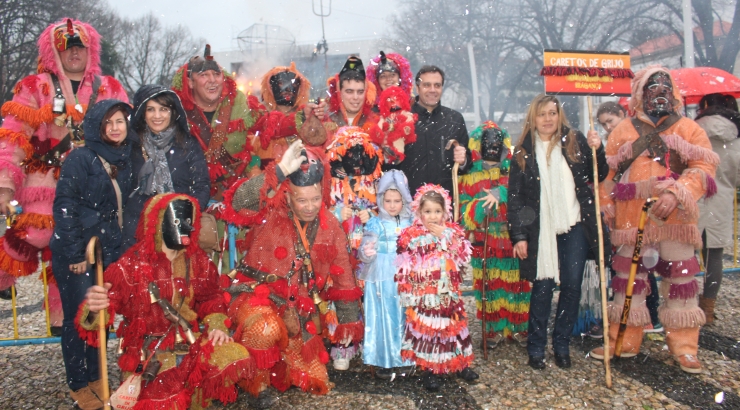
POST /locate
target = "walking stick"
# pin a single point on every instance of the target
(602, 275)
(455, 190)
(95, 257)
(631, 279)
(484, 277)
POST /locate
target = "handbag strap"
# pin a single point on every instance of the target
(116, 188)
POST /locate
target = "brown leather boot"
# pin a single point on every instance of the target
(684, 345)
(86, 399)
(630, 344)
(97, 388)
(707, 305)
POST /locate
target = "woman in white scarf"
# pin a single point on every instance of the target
(552, 220)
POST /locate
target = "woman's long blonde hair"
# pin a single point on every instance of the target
(571, 145)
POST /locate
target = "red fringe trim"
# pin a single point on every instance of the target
(562, 71)
(307, 383)
(347, 295)
(265, 358)
(89, 336)
(222, 386)
(180, 401)
(354, 330)
(312, 348)
(455, 365)
(236, 125)
(279, 376)
(14, 267)
(242, 218)
(37, 221)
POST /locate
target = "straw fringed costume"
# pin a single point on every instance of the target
(228, 151)
(685, 170)
(279, 322)
(273, 130)
(429, 277)
(191, 283)
(30, 136)
(355, 166)
(507, 306)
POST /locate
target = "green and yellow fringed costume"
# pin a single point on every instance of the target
(507, 307)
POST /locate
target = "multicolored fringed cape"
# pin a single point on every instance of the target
(507, 305)
(436, 336)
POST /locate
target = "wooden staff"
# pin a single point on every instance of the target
(631, 279)
(94, 255)
(602, 275)
(455, 191)
(484, 277)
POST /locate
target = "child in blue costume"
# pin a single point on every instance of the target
(384, 317)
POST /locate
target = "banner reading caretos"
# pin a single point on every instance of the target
(572, 72)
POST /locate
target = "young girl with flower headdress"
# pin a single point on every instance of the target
(431, 253)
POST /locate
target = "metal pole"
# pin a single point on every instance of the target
(474, 78)
(688, 35)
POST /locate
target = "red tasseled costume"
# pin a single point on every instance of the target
(210, 372)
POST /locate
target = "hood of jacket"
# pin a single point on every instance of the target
(394, 179)
(49, 60)
(149, 91)
(304, 91)
(718, 126)
(118, 156)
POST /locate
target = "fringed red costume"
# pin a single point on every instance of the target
(284, 330)
(397, 123)
(282, 122)
(204, 371)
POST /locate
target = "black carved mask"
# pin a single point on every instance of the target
(355, 162)
(658, 95)
(491, 144)
(285, 87)
(177, 224)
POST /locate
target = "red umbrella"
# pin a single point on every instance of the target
(697, 82)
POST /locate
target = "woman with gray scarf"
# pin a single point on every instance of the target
(168, 158)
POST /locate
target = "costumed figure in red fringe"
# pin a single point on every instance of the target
(41, 125)
(355, 166)
(484, 189)
(220, 117)
(431, 254)
(295, 285)
(351, 100)
(165, 287)
(285, 93)
(397, 123)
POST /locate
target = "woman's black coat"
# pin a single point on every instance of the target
(523, 211)
(85, 203)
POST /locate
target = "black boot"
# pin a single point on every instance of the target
(266, 399)
(536, 362)
(383, 373)
(6, 294)
(468, 375)
(431, 382)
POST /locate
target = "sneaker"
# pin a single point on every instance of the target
(493, 341)
(383, 373)
(654, 328)
(341, 364)
(596, 332)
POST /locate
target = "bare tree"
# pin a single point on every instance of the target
(710, 54)
(150, 53)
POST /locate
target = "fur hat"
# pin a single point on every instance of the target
(303, 91)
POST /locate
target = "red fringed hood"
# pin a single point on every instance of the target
(149, 231)
(407, 77)
(181, 86)
(335, 97)
(393, 96)
(304, 90)
(49, 60)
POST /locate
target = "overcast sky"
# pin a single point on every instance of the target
(220, 21)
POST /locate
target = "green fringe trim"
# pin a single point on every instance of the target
(504, 264)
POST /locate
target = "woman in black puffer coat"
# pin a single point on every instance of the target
(86, 205)
(552, 220)
(166, 158)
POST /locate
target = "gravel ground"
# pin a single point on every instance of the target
(32, 376)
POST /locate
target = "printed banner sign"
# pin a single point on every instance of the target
(572, 72)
